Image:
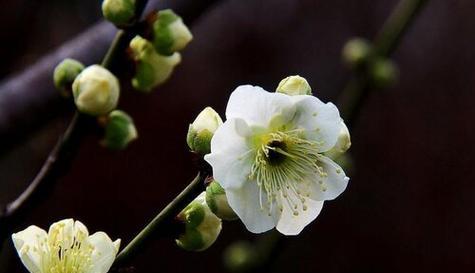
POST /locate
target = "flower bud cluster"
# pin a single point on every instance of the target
(157, 57)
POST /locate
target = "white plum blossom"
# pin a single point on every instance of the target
(66, 248)
(268, 157)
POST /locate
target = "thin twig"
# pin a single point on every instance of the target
(164, 217)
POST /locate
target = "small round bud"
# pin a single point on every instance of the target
(96, 91)
(119, 131)
(202, 227)
(342, 144)
(119, 12)
(383, 73)
(356, 52)
(294, 85)
(202, 130)
(65, 73)
(218, 203)
(240, 256)
(152, 69)
(170, 34)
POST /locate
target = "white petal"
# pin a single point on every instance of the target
(66, 234)
(24, 242)
(80, 227)
(104, 252)
(321, 120)
(332, 185)
(117, 245)
(230, 154)
(257, 106)
(245, 202)
(290, 224)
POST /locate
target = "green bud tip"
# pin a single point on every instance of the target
(119, 12)
(202, 227)
(152, 69)
(65, 73)
(170, 34)
(218, 202)
(294, 85)
(96, 91)
(383, 73)
(202, 130)
(356, 52)
(119, 130)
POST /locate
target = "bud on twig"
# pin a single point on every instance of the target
(119, 131)
(65, 73)
(294, 85)
(119, 12)
(202, 227)
(202, 130)
(152, 69)
(96, 91)
(170, 34)
(218, 203)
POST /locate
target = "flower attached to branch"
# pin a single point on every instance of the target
(66, 248)
(269, 158)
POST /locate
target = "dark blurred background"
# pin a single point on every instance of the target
(409, 206)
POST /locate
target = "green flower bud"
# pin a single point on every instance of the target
(383, 73)
(241, 256)
(218, 203)
(65, 73)
(96, 91)
(202, 130)
(170, 34)
(119, 131)
(356, 52)
(342, 144)
(294, 85)
(152, 69)
(119, 12)
(202, 227)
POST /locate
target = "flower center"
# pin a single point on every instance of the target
(282, 165)
(62, 254)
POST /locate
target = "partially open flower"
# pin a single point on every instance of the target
(202, 227)
(202, 129)
(269, 158)
(152, 69)
(119, 131)
(170, 34)
(96, 91)
(67, 247)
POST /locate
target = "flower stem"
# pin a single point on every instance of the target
(59, 158)
(164, 217)
(358, 88)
